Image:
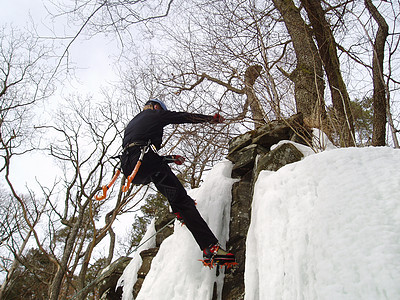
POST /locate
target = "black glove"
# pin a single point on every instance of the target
(217, 118)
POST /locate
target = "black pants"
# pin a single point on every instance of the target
(154, 169)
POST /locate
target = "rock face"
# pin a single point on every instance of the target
(147, 258)
(251, 153)
(106, 287)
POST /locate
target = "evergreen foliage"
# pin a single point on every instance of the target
(363, 117)
(153, 204)
(32, 278)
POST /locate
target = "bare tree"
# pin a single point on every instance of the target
(328, 51)
(83, 144)
(230, 55)
(308, 75)
(16, 234)
(379, 104)
(25, 81)
(391, 77)
(93, 17)
(239, 36)
(368, 50)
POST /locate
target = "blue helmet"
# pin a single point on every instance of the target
(163, 106)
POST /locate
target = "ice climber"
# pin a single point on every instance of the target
(147, 127)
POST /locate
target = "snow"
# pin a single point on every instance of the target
(176, 272)
(327, 227)
(129, 276)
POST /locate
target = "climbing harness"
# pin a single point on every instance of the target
(125, 188)
(145, 147)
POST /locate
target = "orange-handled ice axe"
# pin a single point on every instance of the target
(105, 188)
(125, 188)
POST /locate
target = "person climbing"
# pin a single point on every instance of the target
(147, 127)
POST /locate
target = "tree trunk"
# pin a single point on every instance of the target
(327, 50)
(379, 104)
(14, 265)
(308, 75)
(55, 286)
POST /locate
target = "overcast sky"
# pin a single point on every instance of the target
(92, 57)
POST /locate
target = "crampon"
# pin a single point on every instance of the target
(214, 255)
(211, 263)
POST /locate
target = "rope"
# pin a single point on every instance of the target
(158, 231)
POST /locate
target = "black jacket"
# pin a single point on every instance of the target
(149, 124)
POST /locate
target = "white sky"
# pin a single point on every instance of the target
(92, 57)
